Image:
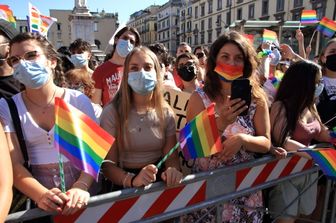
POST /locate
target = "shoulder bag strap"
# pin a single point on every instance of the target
(17, 125)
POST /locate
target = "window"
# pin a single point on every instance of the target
(280, 5)
(264, 10)
(228, 18)
(209, 6)
(196, 39)
(95, 26)
(202, 25)
(239, 14)
(210, 36)
(168, 23)
(189, 40)
(202, 38)
(319, 13)
(168, 34)
(203, 9)
(219, 4)
(210, 23)
(228, 3)
(196, 12)
(164, 35)
(219, 20)
(251, 11)
(59, 26)
(297, 3)
(296, 15)
(239, 1)
(190, 11)
(219, 30)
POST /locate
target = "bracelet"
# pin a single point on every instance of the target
(83, 183)
(133, 180)
(125, 179)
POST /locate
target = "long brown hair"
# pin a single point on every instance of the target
(212, 84)
(123, 100)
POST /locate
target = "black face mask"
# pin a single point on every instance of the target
(331, 62)
(187, 72)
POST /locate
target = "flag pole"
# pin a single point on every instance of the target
(167, 155)
(61, 168)
(311, 39)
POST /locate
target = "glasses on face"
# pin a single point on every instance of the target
(181, 65)
(30, 56)
(200, 55)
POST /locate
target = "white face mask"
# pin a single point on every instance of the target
(318, 90)
(124, 47)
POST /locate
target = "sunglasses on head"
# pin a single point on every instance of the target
(30, 55)
(200, 55)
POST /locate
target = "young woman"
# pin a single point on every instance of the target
(107, 77)
(294, 124)
(243, 136)
(34, 59)
(202, 54)
(187, 67)
(6, 177)
(143, 125)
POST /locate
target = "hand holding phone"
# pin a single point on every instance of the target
(241, 88)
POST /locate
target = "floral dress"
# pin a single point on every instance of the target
(242, 209)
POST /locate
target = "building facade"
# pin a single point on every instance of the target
(202, 21)
(145, 22)
(104, 25)
(168, 29)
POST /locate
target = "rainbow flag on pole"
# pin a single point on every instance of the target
(200, 138)
(327, 27)
(7, 14)
(326, 159)
(269, 35)
(80, 139)
(37, 22)
(308, 17)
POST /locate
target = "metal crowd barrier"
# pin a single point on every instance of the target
(157, 203)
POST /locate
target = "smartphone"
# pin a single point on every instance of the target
(241, 88)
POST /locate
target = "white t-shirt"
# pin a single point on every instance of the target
(39, 142)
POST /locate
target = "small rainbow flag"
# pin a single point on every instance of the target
(200, 138)
(308, 17)
(7, 14)
(269, 35)
(34, 19)
(326, 159)
(275, 82)
(80, 139)
(327, 27)
(47, 21)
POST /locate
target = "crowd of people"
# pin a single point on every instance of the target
(292, 105)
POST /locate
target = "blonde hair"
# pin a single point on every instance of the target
(123, 100)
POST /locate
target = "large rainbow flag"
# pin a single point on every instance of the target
(327, 27)
(7, 14)
(308, 17)
(326, 159)
(200, 138)
(80, 139)
(269, 35)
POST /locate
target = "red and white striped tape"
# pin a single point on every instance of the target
(139, 207)
(253, 176)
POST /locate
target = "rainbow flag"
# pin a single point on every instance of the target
(80, 139)
(269, 35)
(7, 14)
(34, 19)
(200, 138)
(250, 38)
(275, 82)
(308, 17)
(46, 23)
(326, 159)
(327, 27)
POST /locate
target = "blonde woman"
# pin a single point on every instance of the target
(143, 125)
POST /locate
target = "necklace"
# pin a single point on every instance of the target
(43, 107)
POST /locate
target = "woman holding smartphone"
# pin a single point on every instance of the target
(232, 57)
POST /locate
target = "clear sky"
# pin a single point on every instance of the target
(124, 7)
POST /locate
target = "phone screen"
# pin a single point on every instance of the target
(241, 88)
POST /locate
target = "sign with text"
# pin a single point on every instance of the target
(178, 100)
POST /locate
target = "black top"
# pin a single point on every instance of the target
(9, 86)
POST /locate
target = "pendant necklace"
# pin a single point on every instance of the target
(43, 107)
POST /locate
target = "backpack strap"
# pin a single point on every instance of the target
(17, 126)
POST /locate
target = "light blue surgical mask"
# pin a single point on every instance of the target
(79, 60)
(31, 74)
(318, 90)
(124, 47)
(142, 82)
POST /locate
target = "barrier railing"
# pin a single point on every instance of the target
(157, 203)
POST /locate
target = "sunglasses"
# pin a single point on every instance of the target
(30, 56)
(200, 55)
